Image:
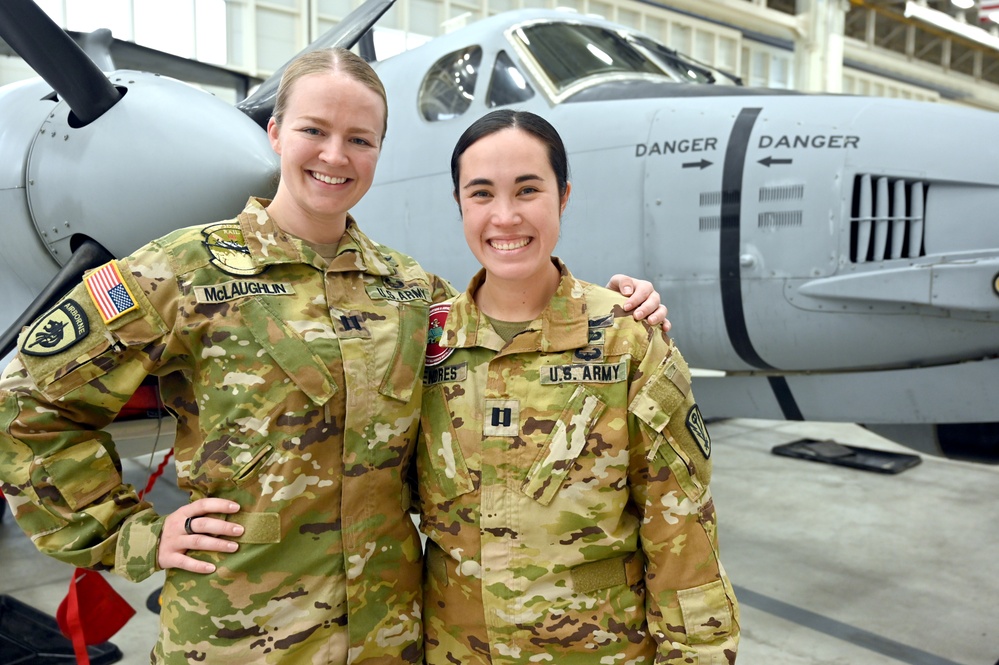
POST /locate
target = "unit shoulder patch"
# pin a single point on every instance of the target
(436, 354)
(57, 330)
(229, 251)
(699, 430)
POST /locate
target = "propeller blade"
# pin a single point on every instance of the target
(260, 104)
(89, 254)
(57, 59)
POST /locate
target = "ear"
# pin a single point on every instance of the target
(565, 198)
(273, 132)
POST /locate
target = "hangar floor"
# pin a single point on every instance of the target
(832, 565)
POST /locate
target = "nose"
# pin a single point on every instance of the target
(333, 151)
(505, 212)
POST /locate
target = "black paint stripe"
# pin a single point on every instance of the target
(842, 631)
(728, 255)
(784, 398)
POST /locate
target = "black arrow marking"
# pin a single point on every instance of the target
(767, 161)
(703, 164)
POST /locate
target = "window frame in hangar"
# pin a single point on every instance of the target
(753, 39)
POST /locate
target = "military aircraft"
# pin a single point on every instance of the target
(827, 257)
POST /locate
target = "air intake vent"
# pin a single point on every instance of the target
(711, 199)
(779, 220)
(782, 193)
(887, 218)
(712, 223)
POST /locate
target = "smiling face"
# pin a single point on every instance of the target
(511, 209)
(328, 139)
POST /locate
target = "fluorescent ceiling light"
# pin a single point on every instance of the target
(950, 24)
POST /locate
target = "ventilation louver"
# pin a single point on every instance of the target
(887, 218)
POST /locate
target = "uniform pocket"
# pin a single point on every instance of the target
(707, 612)
(288, 350)
(226, 463)
(564, 445)
(666, 405)
(405, 367)
(80, 475)
(443, 473)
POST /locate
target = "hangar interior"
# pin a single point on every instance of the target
(832, 565)
(929, 50)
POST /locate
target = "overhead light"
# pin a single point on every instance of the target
(950, 24)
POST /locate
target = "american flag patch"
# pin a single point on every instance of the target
(109, 293)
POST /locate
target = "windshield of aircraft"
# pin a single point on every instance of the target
(682, 67)
(569, 53)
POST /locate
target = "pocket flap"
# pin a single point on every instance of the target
(567, 440)
(288, 350)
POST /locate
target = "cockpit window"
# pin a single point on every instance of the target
(568, 53)
(681, 66)
(449, 87)
(508, 84)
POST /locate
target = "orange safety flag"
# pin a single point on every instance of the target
(91, 612)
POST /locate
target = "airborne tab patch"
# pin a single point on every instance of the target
(109, 292)
(57, 330)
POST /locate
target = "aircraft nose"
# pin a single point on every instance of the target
(166, 156)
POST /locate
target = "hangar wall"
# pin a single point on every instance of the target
(868, 47)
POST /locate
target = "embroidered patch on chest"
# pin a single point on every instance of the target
(57, 330)
(501, 417)
(229, 251)
(584, 373)
(349, 325)
(240, 288)
(446, 374)
(436, 354)
(397, 291)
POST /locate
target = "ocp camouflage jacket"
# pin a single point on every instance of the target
(564, 488)
(296, 391)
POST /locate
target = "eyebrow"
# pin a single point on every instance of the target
(486, 181)
(325, 123)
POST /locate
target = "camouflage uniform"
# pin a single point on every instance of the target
(564, 489)
(252, 336)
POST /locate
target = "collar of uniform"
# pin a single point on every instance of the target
(357, 251)
(561, 326)
(268, 244)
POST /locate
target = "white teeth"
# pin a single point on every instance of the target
(328, 179)
(509, 244)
